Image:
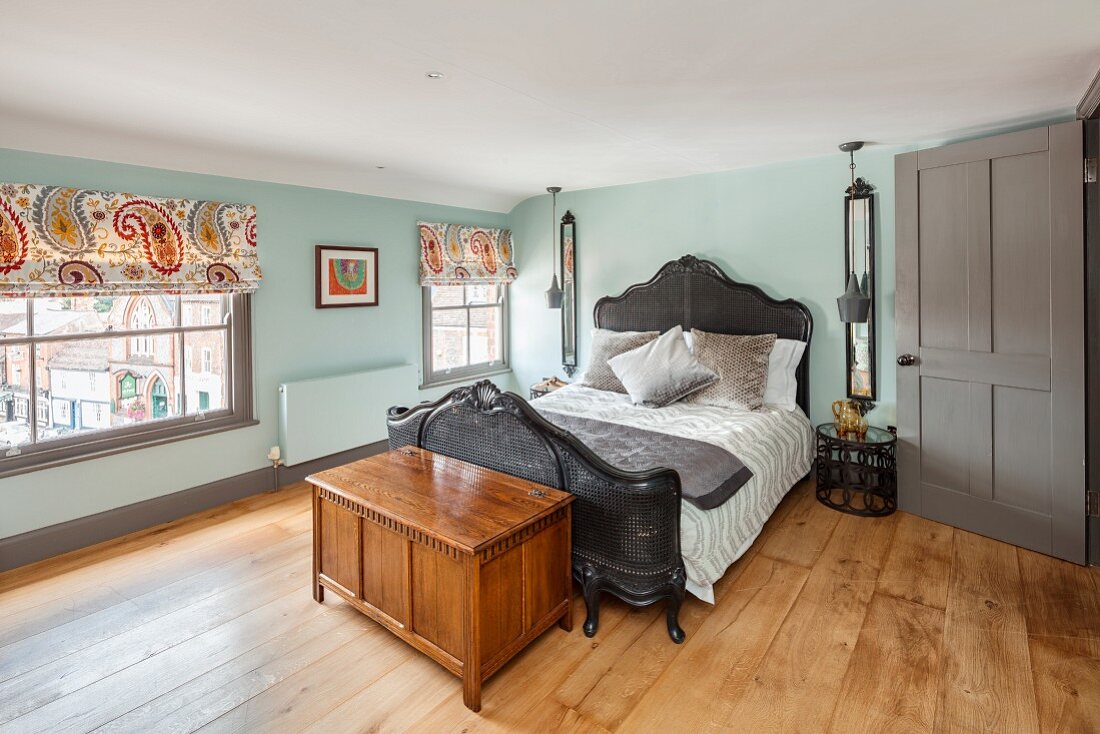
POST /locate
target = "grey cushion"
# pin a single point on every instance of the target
(742, 366)
(661, 372)
(605, 345)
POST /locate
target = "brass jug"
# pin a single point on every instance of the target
(848, 419)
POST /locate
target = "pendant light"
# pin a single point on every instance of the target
(554, 293)
(855, 304)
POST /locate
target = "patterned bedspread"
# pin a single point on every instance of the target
(776, 445)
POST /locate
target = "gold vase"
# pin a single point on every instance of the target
(848, 419)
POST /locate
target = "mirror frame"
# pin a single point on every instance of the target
(864, 193)
(568, 256)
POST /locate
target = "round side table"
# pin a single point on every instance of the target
(857, 475)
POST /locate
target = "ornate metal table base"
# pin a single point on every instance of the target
(857, 476)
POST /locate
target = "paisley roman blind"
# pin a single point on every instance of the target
(456, 254)
(65, 241)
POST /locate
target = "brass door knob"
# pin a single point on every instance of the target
(907, 360)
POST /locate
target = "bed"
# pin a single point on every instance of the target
(633, 534)
(776, 444)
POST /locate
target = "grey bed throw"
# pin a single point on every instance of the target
(709, 475)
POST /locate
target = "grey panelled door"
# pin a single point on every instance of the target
(990, 332)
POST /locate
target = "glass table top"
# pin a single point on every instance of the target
(874, 435)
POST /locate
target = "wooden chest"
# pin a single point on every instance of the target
(465, 564)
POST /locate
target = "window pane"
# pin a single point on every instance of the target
(97, 384)
(92, 314)
(206, 378)
(446, 295)
(485, 334)
(448, 339)
(13, 317)
(15, 422)
(482, 294)
(203, 309)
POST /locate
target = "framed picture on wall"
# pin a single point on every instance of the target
(346, 276)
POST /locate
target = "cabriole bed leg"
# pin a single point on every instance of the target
(590, 585)
(672, 612)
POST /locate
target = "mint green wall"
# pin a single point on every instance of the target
(292, 340)
(779, 226)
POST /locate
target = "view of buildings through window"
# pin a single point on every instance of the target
(106, 362)
(466, 328)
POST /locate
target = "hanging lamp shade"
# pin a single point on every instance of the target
(854, 305)
(554, 292)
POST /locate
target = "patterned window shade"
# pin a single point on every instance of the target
(64, 241)
(454, 254)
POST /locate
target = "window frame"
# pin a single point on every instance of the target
(430, 377)
(81, 447)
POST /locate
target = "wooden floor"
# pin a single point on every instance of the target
(829, 623)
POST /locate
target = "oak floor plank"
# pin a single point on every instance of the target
(69, 674)
(796, 685)
(143, 578)
(892, 683)
(919, 565)
(163, 551)
(828, 621)
(206, 697)
(724, 652)
(802, 535)
(987, 682)
(178, 536)
(115, 695)
(295, 702)
(538, 671)
(58, 642)
(1062, 607)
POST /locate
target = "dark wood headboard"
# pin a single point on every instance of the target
(696, 294)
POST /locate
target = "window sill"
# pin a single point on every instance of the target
(466, 378)
(111, 445)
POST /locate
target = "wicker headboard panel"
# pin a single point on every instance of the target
(697, 295)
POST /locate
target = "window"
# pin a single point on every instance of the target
(109, 374)
(465, 332)
(141, 320)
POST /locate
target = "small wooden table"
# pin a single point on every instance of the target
(466, 564)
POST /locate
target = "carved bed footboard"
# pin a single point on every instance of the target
(626, 525)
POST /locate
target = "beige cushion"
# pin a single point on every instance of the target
(661, 372)
(605, 345)
(742, 366)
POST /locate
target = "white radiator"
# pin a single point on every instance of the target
(327, 415)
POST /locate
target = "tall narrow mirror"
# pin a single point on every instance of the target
(859, 258)
(569, 293)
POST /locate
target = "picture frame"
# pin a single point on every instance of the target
(347, 277)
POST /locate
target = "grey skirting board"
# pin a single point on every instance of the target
(36, 545)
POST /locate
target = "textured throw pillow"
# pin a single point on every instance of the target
(782, 390)
(742, 366)
(605, 345)
(661, 372)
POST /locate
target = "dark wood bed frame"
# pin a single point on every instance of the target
(626, 525)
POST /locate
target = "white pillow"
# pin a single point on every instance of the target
(661, 372)
(782, 389)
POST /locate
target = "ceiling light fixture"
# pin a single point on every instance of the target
(553, 293)
(434, 75)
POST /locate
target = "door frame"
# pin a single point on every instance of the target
(1063, 142)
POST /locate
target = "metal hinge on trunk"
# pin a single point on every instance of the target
(1091, 166)
(1092, 503)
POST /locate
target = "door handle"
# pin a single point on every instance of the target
(907, 360)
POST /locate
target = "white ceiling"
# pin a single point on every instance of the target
(579, 93)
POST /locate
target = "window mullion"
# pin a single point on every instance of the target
(32, 368)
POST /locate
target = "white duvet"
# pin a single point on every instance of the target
(777, 445)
